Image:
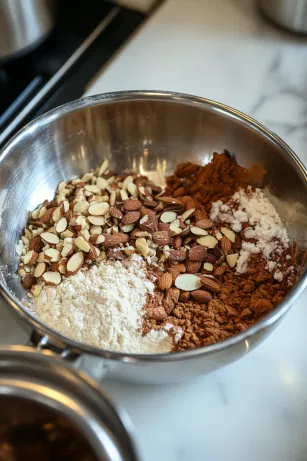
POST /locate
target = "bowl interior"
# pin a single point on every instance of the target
(148, 133)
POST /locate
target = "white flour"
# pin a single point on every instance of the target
(265, 227)
(103, 307)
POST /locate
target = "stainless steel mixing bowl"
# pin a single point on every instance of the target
(148, 132)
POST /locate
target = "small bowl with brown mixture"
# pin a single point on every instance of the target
(159, 235)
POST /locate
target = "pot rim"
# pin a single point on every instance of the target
(174, 97)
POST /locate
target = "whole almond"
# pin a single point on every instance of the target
(165, 281)
(219, 271)
(28, 281)
(197, 253)
(174, 273)
(161, 238)
(132, 205)
(204, 223)
(115, 212)
(180, 267)
(210, 284)
(226, 244)
(75, 263)
(156, 313)
(193, 267)
(170, 200)
(149, 223)
(115, 239)
(131, 217)
(177, 242)
(179, 192)
(184, 295)
(177, 255)
(201, 296)
(200, 214)
(190, 203)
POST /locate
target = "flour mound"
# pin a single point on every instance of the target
(103, 307)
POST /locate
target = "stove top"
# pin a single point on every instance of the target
(86, 36)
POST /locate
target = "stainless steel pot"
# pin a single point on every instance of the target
(23, 25)
(47, 405)
(291, 14)
(148, 132)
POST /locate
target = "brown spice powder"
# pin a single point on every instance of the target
(218, 180)
(243, 299)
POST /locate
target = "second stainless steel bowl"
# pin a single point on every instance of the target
(149, 133)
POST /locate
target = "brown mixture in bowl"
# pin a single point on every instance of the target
(212, 244)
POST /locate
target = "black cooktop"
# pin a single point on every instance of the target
(86, 35)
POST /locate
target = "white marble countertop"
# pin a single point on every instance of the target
(257, 407)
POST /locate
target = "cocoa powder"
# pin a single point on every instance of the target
(218, 180)
(238, 300)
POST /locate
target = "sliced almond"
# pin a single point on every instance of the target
(92, 188)
(198, 231)
(168, 216)
(208, 267)
(188, 282)
(175, 227)
(218, 236)
(30, 257)
(52, 278)
(229, 234)
(56, 215)
(52, 255)
(103, 167)
(61, 225)
(49, 237)
(142, 246)
(95, 230)
(85, 233)
(127, 228)
(187, 214)
(81, 207)
(62, 269)
(232, 259)
(36, 290)
(102, 183)
(207, 241)
(99, 209)
(67, 233)
(97, 239)
(97, 220)
(67, 250)
(41, 257)
(132, 189)
(124, 195)
(75, 263)
(126, 181)
(39, 270)
(81, 243)
(64, 206)
(112, 198)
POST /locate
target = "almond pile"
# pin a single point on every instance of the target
(192, 260)
(101, 216)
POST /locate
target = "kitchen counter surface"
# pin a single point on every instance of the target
(257, 407)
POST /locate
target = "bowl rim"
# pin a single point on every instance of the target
(65, 343)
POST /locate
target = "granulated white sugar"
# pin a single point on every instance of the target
(103, 307)
(265, 227)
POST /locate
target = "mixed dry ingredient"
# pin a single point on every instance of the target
(117, 262)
